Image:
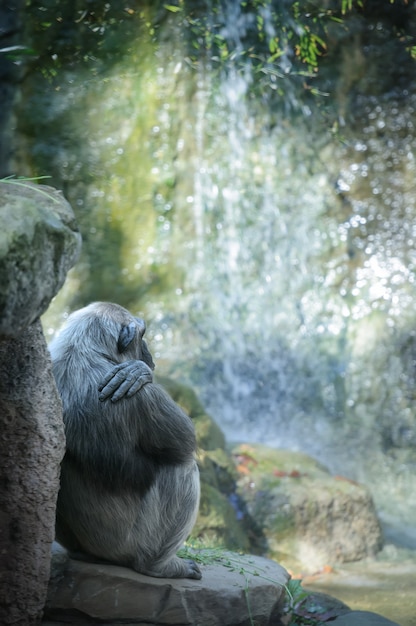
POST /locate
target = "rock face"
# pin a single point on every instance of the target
(229, 594)
(310, 518)
(31, 449)
(39, 243)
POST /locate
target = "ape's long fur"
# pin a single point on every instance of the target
(129, 481)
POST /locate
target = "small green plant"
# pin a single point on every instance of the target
(296, 595)
(22, 182)
(234, 562)
(305, 608)
(299, 606)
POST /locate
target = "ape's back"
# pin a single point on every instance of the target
(120, 455)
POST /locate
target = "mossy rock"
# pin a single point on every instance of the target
(218, 470)
(223, 520)
(209, 434)
(217, 524)
(309, 517)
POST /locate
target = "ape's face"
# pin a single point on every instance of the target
(130, 341)
(145, 352)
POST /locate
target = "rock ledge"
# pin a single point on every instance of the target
(88, 593)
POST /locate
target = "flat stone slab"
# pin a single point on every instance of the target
(230, 593)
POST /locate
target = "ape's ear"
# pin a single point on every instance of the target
(142, 326)
(126, 336)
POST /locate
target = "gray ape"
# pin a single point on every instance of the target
(129, 481)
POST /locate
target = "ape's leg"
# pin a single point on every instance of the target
(172, 504)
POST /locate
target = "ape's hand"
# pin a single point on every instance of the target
(124, 380)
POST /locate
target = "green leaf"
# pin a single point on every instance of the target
(172, 8)
(272, 45)
(320, 41)
(295, 591)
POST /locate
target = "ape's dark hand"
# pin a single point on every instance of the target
(124, 380)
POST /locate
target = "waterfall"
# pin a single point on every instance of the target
(272, 256)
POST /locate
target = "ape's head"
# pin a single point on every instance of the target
(108, 329)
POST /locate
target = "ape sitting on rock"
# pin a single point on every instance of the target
(129, 490)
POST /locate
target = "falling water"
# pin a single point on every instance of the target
(303, 285)
(273, 260)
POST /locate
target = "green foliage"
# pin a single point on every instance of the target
(346, 5)
(296, 594)
(74, 34)
(17, 53)
(268, 31)
(277, 39)
(172, 8)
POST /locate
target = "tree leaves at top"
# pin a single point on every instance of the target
(277, 38)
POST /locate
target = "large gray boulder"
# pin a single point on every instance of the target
(231, 593)
(39, 243)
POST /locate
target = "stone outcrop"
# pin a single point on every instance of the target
(231, 593)
(32, 445)
(310, 518)
(39, 243)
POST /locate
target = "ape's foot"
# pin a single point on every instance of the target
(175, 568)
(193, 569)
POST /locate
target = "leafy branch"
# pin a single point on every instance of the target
(277, 39)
